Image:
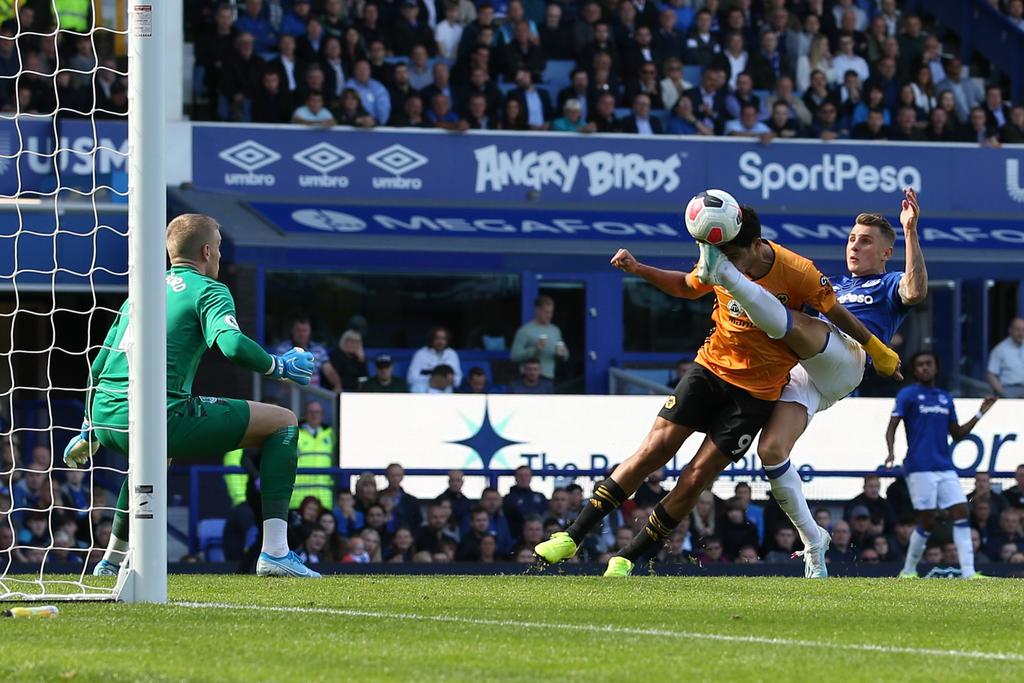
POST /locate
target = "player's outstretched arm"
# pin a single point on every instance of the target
(914, 284)
(885, 360)
(672, 282)
(890, 440)
(958, 432)
(295, 365)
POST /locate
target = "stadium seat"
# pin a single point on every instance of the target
(211, 539)
(506, 88)
(396, 59)
(558, 72)
(661, 115)
(622, 112)
(691, 74)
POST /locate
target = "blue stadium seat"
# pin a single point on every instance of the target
(691, 74)
(506, 88)
(661, 115)
(622, 112)
(396, 59)
(558, 72)
(211, 539)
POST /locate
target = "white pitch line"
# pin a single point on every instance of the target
(619, 630)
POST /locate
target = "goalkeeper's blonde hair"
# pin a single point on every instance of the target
(187, 234)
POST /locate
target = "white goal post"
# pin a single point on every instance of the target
(38, 186)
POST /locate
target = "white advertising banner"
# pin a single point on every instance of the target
(501, 432)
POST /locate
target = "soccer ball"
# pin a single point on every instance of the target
(714, 217)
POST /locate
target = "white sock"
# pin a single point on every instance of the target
(918, 541)
(964, 547)
(788, 491)
(116, 550)
(763, 309)
(275, 537)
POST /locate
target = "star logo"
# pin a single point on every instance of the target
(487, 440)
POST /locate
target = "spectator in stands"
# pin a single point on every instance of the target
(356, 552)
(212, 50)
(983, 491)
(861, 528)
(906, 126)
(372, 543)
(1015, 13)
(578, 89)
(840, 550)
(349, 361)
(702, 43)
(640, 122)
(350, 112)
(924, 90)
(400, 90)
(705, 519)
(651, 491)
(522, 52)
(646, 83)
(767, 64)
(412, 114)
(316, 449)
(350, 521)
(491, 502)
(909, 101)
(430, 536)
(826, 124)
(469, 549)
(420, 73)
(270, 104)
(712, 551)
(966, 93)
(673, 85)
(873, 128)
(252, 21)
(410, 29)
(1015, 494)
(311, 45)
(384, 381)
(555, 35)
(747, 124)
(441, 381)
(737, 531)
(441, 116)
(536, 104)
(886, 81)
(366, 492)
(401, 548)
(286, 63)
(602, 78)
(521, 501)
(333, 18)
(982, 518)
(884, 551)
(947, 102)
(1013, 132)
(882, 518)
(1009, 533)
(513, 117)
(977, 129)
(531, 381)
(1006, 363)
(997, 112)
(781, 123)
(456, 499)
(584, 28)
(818, 93)
(377, 519)
(709, 100)
(476, 381)
(848, 60)
(243, 72)
(752, 512)
(448, 32)
(572, 120)
(785, 542)
(939, 128)
(734, 60)
(372, 93)
(435, 353)
(335, 546)
(784, 93)
(603, 116)
(313, 113)
(979, 554)
(819, 58)
(540, 338)
(440, 84)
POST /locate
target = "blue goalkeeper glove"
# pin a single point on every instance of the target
(81, 447)
(293, 366)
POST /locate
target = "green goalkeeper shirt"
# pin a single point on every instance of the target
(200, 314)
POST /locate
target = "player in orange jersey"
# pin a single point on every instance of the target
(729, 394)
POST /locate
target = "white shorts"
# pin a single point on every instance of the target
(935, 490)
(822, 380)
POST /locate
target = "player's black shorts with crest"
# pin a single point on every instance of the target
(729, 415)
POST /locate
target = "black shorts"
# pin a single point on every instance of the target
(729, 415)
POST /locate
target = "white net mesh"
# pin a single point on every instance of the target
(63, 268)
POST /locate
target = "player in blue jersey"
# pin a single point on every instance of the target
(930, 417)
(832, 364)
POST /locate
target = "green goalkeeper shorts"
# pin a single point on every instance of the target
(197, 426)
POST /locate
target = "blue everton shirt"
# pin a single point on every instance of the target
(874, 300)
(927, 413)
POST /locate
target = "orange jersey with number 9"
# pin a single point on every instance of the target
(743, 355)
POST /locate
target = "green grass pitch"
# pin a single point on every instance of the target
(530, 628)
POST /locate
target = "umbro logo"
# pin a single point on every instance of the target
(249, 155)
(397, 159)
(323, 158)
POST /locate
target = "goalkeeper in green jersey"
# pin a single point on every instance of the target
(200, 315)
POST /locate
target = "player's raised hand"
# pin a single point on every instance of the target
(910, 211)
(624, 261)
(986, 404)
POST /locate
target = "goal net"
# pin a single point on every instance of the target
(64, 272)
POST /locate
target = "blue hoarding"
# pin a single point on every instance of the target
(631, 227)
(628, 173)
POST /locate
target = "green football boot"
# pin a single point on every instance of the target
(556, 549)
(619, 566)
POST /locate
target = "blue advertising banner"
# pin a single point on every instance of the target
(556, 171)
(83, 154)
(611, 226)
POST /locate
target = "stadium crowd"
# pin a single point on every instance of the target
(368, 524)
(826, 69)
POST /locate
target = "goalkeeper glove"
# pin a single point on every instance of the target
(81, 447)
(293, 366)
(886, 361)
